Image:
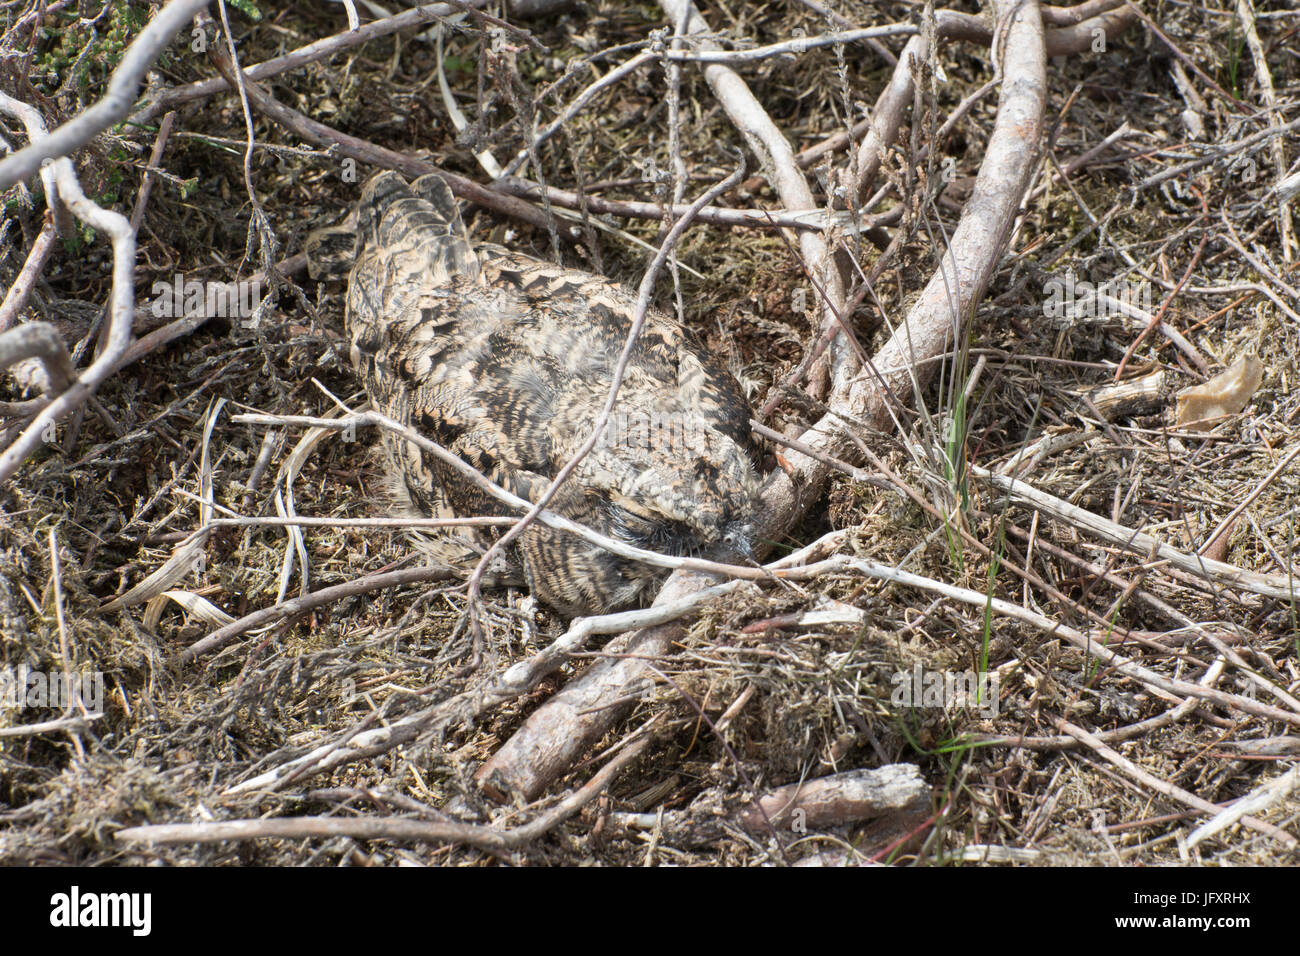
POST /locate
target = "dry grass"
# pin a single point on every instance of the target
(174, 737)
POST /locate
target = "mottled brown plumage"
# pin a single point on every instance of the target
(507, 361)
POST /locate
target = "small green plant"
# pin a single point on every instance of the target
(248, 9)
(1235, 42)
(79, 57)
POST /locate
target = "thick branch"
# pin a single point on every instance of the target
(121, 302)
(39, 340)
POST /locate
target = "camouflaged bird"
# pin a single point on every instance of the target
(507, 361)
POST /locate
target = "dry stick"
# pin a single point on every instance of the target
(300, 605)
(1187, 61)
(1224, 575)
(75, 725)
(770, 145)
(1245, 144)
(302, 521)
(1169, 789)
(639, 314)
(951, 25)
(18, 294)
(137, 216)
(1259, 489)
(571, 721)
(615, 676)
(160, 336)
(577, 104)
(1262, 268)
(510, 28)
(1063, 40)
(1071, 166)
(838, 313)
(366, 152)
(258, 222)
(1045, 624)
(317, 50)
(189, 323)
(156, 339)
(1026, 574)
(807, 216)
(886, 118)
(515, 681)
(392, 828)
(39, 340)
(1120, 306)
(854, 472)
(831, 327)
(1261, 798)
(1246, 14)
(1172, 686)
(121, 298)
(1030, 578)
(1067, 16)
(27, 20)
(880, 49)
(887, 115)
(117, 101)
(65, 651)
(151, 171)
(502, 196)
(1118, 735)
(1169, 299)
(1178, 617)
(797, 45)
(896, 792)
(841, 798)
(967, 266)
(562, 729)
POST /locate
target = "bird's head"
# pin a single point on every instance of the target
(679, 487)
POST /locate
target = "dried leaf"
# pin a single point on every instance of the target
(198, 608)
(1200, 406)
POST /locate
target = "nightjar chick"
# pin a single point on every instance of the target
(507, 361)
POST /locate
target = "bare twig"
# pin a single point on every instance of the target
(16, 298)
(1169, 789)
(74, 724)
(122, 306)
(1258, 799)
(117, 101)
(310, 53)
(39, 340)
(392, 828)
(1223, 575)
(300, 605)
(795, 46)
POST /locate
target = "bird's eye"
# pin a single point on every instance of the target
(737, 539)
